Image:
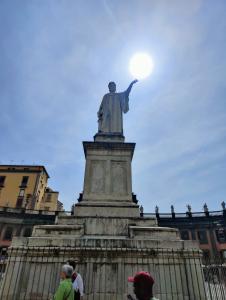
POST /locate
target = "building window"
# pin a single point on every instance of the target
(221, 235)
(20, 198)
(21, 193)
(206, 254)
(24, 181)
(19, 202)
(48, 198)
(27, 232)
(184, 235)
(8, 234)
(202, 236)
(193, 235)
(2, 181)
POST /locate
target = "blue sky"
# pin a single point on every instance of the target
(56, 58)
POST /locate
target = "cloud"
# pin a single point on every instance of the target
(56, 59)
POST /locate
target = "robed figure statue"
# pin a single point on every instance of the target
(110, 112)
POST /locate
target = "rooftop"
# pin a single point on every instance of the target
(22, 168)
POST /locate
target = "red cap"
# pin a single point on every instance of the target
(142, 276)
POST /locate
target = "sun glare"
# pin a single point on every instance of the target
(141, 65)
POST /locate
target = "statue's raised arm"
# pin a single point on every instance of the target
(130, 87)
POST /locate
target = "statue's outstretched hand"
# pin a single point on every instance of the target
(130, 86)
(134, 81)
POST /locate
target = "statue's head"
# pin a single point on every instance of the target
(112, 87)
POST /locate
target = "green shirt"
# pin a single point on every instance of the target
(65, 290)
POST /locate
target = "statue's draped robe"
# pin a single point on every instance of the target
(110, 112)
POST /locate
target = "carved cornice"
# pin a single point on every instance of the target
(109, 146)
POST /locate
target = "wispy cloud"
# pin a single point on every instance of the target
(55, 61)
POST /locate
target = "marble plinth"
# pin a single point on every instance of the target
(108, 182)
(113, 137)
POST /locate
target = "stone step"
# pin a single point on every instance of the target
(100, 244)
(134, 232)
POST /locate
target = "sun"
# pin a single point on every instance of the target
(141, 65)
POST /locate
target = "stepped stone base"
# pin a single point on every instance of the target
(107, 238)
(107, 252)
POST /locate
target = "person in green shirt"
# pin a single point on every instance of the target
(65, 290)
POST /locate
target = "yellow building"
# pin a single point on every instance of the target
(26, 186)
(50, 200)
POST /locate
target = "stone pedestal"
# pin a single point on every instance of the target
(108, 183)
(113, 137)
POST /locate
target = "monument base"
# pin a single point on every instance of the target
(109, 137)
(107, 238)
(108, 183)
(106, 209)
(107, 251)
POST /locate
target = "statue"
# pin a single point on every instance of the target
(172, 209)
(205, 208)
(223, 205)
(189, 208)
(156, 209)
(141, 209)
(111, 109)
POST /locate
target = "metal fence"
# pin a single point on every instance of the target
(214, 270)
(34, 273)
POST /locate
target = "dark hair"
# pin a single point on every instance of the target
(142, 289)
(147, 284)
(72, 263)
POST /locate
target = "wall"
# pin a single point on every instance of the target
(49, 201)
(190, 226)
(21, 222)
(33, 190)
(33, 195)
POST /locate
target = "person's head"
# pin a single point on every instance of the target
(143, 284)
(72, 263)
(66, 272)
(112, 87)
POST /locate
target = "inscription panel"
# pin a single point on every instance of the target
(118, 178)
(98, 170)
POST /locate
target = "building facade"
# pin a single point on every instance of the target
(23, 186)
(208, 228)
(15, 222)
